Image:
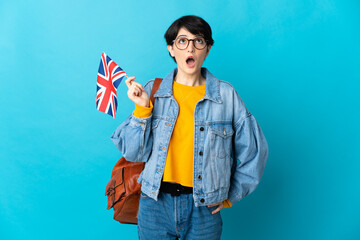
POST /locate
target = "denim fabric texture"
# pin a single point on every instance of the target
(230, 149)
(174, 217)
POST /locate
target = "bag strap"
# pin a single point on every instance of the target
(154, 89)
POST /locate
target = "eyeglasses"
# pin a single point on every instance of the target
(183, 42)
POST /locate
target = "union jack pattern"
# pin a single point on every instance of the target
(108, 79)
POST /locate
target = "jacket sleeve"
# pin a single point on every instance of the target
(133, 137)
(250, 154)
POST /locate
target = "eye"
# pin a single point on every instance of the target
(182, 40)
(200, 40)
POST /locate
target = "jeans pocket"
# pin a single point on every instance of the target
(143, 195)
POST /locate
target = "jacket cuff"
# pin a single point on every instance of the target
(143, 112)
(140, 122)
(233, 196)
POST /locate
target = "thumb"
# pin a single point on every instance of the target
(128, 81)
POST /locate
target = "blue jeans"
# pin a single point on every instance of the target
(174, 217)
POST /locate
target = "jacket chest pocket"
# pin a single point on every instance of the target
(220, 150)
(221, 137)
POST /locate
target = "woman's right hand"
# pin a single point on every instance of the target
(137, 93)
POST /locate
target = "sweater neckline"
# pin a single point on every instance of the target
(186, 86)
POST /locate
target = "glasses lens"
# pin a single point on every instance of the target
(181, 43)
(199, 43)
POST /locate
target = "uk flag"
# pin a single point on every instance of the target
(108, 79)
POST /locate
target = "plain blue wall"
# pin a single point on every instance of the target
(295, 64)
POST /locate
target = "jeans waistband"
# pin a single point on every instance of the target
(175, 188)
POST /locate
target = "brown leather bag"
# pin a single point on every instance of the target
(123, 190)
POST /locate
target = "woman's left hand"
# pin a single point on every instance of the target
(221, 205)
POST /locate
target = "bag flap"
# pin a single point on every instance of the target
(115, 189)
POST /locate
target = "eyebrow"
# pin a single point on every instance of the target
(197, 35)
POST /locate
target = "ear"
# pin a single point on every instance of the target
(208, 50)
(171, 50)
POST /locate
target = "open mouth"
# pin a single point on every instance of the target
(190, 61)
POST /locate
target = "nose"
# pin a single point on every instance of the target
(191, 46)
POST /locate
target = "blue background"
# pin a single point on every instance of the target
(295, 64)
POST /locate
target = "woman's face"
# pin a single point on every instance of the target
(184, 64)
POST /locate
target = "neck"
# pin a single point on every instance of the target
(193, 80)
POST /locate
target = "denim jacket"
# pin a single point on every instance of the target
(230, 150)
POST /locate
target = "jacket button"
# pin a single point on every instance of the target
(200, 153)
(199, 177)
(201, 129)
(202, 200)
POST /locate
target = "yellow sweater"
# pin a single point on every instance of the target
(179, 160)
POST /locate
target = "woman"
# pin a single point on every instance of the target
(203, 149)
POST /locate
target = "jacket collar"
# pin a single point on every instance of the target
(212, 88)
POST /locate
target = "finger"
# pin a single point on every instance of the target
(137, 88)
(216, 210)
(139, 85)
(214, 204)
(129, 81)
(137, 91)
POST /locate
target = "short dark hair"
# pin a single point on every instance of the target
(194, 24)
